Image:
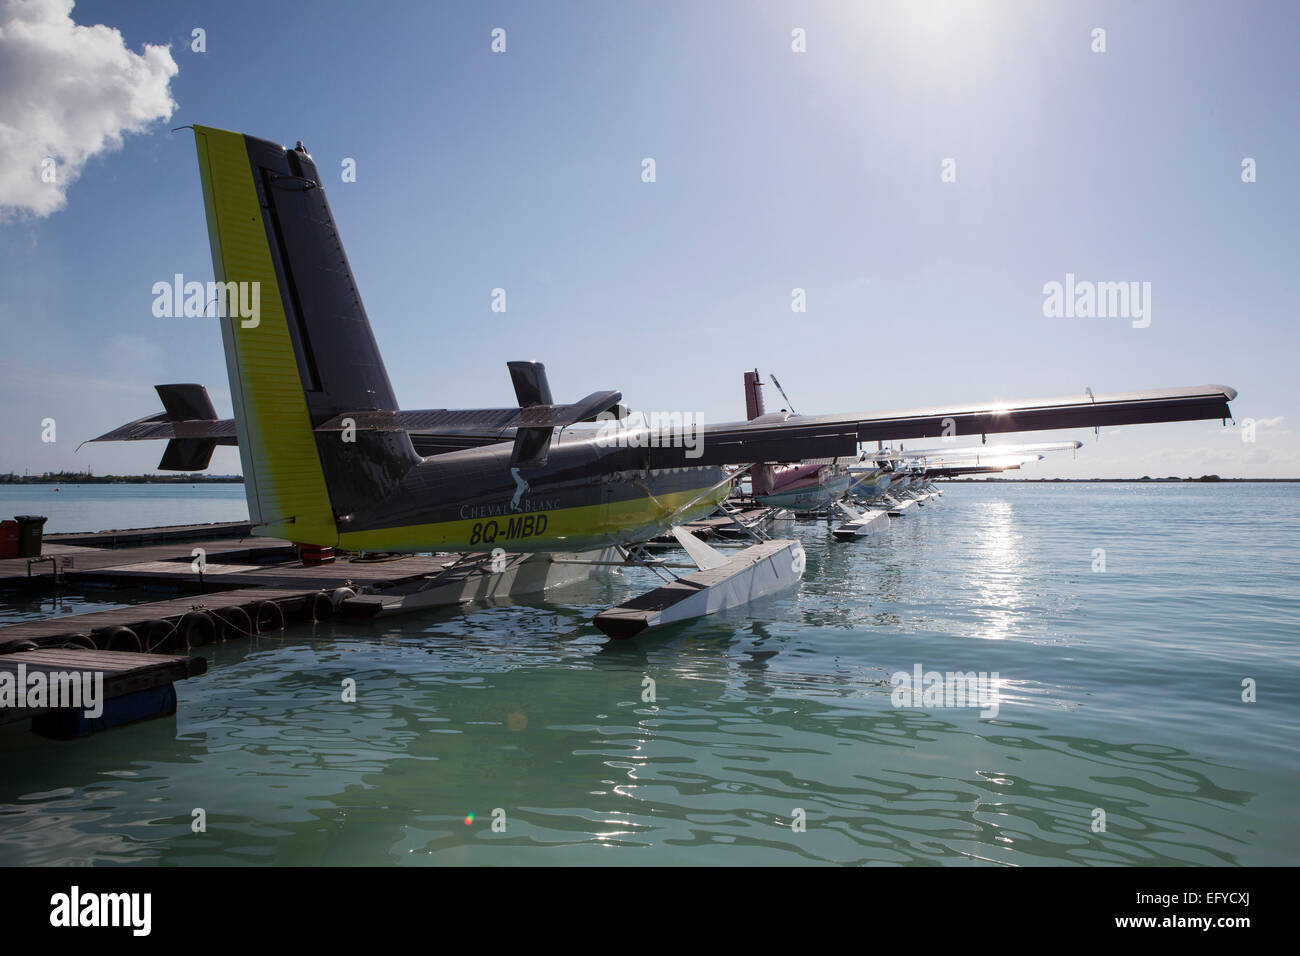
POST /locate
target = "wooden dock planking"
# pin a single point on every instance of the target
(292, 574)
(169, 610)
(288, 585)
(15, 570)
(124, 672)
(135, 536)
(141, 684)
(232, 577)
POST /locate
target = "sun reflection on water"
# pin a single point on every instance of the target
(1001, 580)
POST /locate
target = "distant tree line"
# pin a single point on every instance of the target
(81, 478)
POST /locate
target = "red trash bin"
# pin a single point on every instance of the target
(8, 539)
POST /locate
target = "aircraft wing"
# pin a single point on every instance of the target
(956, 471)
(993, 461)
(785, 437)
(774, 438)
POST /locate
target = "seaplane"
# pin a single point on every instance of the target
(821, 486)
(906, 481)
(899, 487)
(991, 456)
(805, 487)
(526, 495)
(899, 494)
(862, 516)
(898, 482)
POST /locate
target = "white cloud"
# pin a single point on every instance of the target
(68, 93)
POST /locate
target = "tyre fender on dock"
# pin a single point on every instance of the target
(197, 628)
(267, 616)
(76, 640)
(158, 635)
(321, 606)
(233, 622)
(120, 639)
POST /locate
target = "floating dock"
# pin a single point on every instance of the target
(241, 587)
(136, 536)
(102, 629)
(110, 688)
(59, 560)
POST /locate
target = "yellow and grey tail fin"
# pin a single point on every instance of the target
(299, 348)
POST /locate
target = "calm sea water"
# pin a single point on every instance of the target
(1118, 691)
(108, 507)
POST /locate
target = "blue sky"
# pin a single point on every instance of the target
(774, 170)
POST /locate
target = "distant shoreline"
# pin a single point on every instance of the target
(1215, 480)
(73, 479)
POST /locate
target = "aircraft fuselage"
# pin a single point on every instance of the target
(587, 495)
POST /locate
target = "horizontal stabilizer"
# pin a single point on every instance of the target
(486, 420)
(189, 420)
(531, 425)
(158, 426)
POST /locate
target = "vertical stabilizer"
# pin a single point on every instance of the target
(753, 395)
(760, 476)
(299, 348)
